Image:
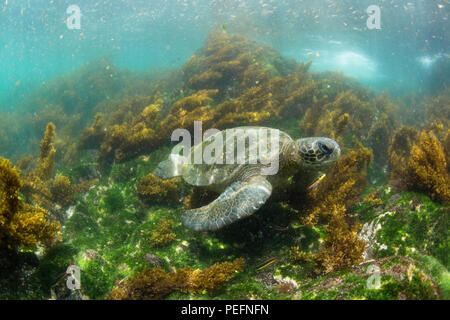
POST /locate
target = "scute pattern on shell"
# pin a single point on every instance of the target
(204, 174)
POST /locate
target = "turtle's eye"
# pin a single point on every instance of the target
(323, 147)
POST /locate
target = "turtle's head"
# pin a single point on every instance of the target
(318, 151)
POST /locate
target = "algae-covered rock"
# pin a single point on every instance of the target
(389, 278)
(409, 225)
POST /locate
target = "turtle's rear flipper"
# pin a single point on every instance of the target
(239, 200)
(171, 167)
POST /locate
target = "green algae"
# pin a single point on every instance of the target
(126, 254)
(111, 221)
(438, 272)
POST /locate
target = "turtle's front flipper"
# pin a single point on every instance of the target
(239, 200)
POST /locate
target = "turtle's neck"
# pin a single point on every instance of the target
(290, 156)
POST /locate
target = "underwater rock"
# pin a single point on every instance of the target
(285, 285)
(62, 191)
(183, 113)
(410, 225)
(399, 152)
(153, 260)
(342, 247)
(427, 168)
(156, 283)
(47, 154)
(266, 278)
(131, 130)
(418, 163)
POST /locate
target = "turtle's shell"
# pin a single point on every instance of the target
(205, 168)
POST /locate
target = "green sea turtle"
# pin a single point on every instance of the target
(263, 158)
